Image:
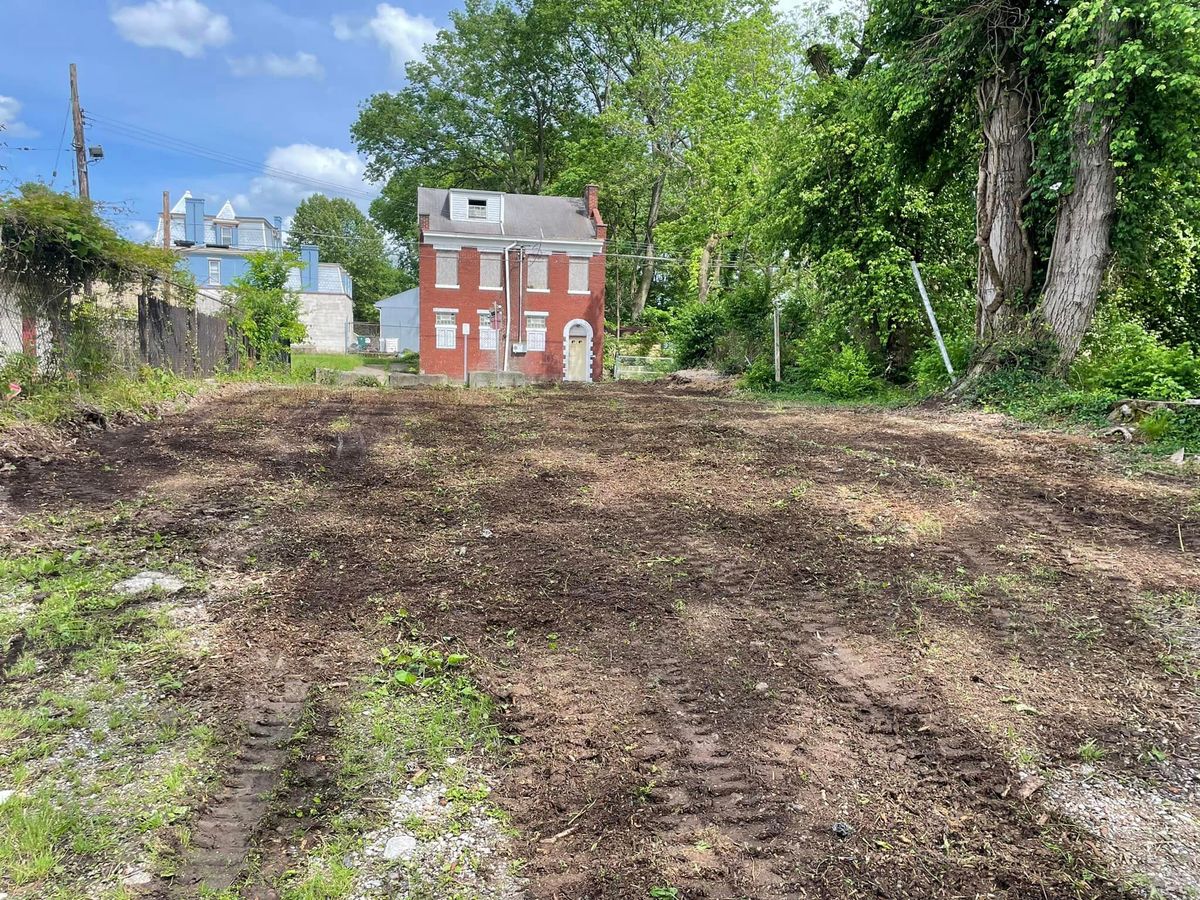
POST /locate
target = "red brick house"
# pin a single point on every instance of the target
(525, 273)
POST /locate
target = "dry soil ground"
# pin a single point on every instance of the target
(735, 651)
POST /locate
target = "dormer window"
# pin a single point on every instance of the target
(477, 206)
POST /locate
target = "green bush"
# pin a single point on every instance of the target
(1122, 356)
(760, 376)
(848, 375)
(929, 371)
(696, 331)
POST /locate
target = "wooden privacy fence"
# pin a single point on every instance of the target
(186, 341)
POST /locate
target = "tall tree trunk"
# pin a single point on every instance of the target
(1082, 232)
(1081, 250)
(1005, 275)
(643, 292)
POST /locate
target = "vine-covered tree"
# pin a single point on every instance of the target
(1077, 102)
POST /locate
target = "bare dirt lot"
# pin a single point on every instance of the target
(735, 651)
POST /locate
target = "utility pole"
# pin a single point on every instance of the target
(80, 148)
(166, 214)
(166, 220)
(775, 314)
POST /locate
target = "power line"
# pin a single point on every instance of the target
(61, 140)
(163, 141)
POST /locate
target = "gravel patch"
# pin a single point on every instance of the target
(1148, 837)
(432, 840)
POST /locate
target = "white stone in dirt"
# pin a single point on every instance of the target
(145, 581)
(5, 796)
(399, 845)
(137, 879)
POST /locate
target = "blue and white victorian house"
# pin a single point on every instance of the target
(215, 248)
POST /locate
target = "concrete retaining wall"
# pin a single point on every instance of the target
(497, 379)
(407, 379)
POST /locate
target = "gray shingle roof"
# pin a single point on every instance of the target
(526, 217)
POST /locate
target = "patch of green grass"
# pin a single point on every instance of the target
(305, 364)
(1091, 752)
(418, 710)
(962, 592)
(59, 401)
(36, 834)
(104, 765)
(324, 876)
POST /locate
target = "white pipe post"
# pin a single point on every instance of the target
(466, 335)
(778, 366)
(937, 332)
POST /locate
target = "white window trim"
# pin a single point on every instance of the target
(493, 335)
(457, 261)
(484, 287)
(533, 290)
(212, 260)
(441, 332)
(586, 259)
(542, 331)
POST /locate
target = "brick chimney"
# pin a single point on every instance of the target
(590, 196)
(423, 222)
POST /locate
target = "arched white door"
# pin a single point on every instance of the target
(577, 351)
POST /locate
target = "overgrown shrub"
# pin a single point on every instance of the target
(697, 329)
(267, 311)
(760, 376)
(1121, 355)
(929, 371)
(848, 375)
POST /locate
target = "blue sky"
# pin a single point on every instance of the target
(275, 84)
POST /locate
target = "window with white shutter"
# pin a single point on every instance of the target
(578, 283)
(538, 273)
(489, 271)
(535, 331)
(214, 271)
(445, 322)
(447, 269)
(487, 333)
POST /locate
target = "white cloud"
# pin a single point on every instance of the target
(10, 119)
(302, 65)
(401, 33)
(339, 173)
(138, 231)
(186, 26)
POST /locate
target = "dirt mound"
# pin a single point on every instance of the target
(708, 381)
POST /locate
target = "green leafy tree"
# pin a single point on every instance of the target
(344, 235)
(265, 309)
(486, 107)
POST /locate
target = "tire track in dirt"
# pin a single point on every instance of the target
(719, 828)
(223, 836)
